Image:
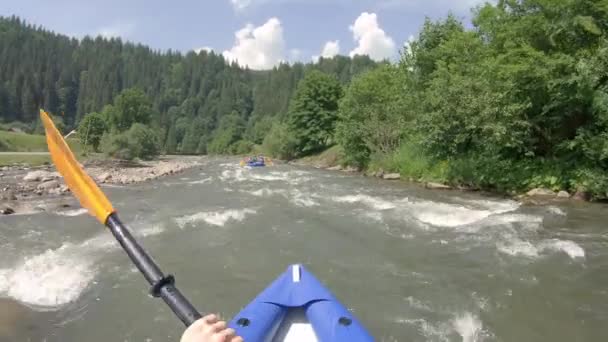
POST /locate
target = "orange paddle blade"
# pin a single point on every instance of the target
(81, 184)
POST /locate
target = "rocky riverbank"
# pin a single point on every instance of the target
(538, 196)
(25, 190)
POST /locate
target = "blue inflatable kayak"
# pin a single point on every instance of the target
(256, 164)
(297, 307)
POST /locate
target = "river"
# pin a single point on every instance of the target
(413, 264)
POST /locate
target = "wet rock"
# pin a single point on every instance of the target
(335, 168)
(50, 176)
(44, 176)
(7, 211)
(540, 192)
(582, 195)
(563, 194)
(391, 176)
(379, 173)
(1, 174)
(34, 176)
(8, 195)
(437, 186)
(48, 185)
(4, 168)
(351, 169)
(104, 177)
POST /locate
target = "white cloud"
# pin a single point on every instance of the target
(259, 47)
(371, 39)
(116, 30)
(295, 54)
(204, 48)
(240, 4)
(330, 49)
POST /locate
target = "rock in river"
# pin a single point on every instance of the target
(391, 176)
(540, 192)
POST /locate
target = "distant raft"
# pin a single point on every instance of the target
(297, 307)
(259, 161)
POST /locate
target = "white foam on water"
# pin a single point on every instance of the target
(556, 211)
(518, 247)
(453, 215)
(571, 248)
(216, 218)
(303, 200)
(51, 279)
(153, 230)
(59, 276)
(373, 215)
(73, 212)
(415, 303)
(265, 192)
(468, 326)
(202, 181)
(237, 175)
(272, 176)
(428, 330)
(373, 202)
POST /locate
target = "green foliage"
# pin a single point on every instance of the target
(229, 132)
(279, 142)
(313, 112)
(91, 129)
(139, 141)
(373, 115)
(131, 106)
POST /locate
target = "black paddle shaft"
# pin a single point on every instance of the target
(162, 286)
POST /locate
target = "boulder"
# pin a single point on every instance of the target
(436, 186)
(34, 176)
(540, 192)
(48, 185)
(351, 169)
(335, 168)
(43, 176)
(391, 176)
(50, 176)
(7, 211)
(104, 177)
(582, 195)
(379, 173)
(563, 194)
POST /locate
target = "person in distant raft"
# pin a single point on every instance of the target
(210, 329)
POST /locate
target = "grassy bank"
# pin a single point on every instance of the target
(20, 144)
(32, 160)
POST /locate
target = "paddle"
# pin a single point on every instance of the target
(92, 198)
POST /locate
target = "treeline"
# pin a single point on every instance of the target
(197, 102)
(519, 101)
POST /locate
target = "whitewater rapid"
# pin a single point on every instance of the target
(428, 265)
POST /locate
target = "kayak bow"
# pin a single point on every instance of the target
(297, 307)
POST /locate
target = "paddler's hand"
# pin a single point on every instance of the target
(210, 329)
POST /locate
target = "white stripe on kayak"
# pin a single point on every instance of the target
(295, 273)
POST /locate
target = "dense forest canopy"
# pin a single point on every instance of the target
(517, 101)
(190, 94)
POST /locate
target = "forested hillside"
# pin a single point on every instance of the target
(517, 101)
(190, 96)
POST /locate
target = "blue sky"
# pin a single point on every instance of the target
(268, 30)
